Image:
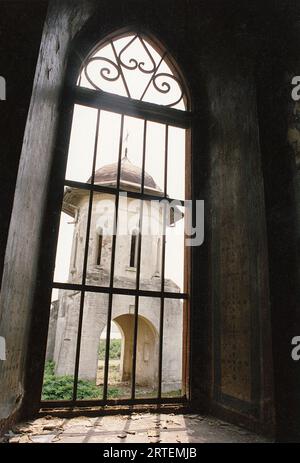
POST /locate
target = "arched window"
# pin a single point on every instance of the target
(99, 247)
(131, 66)
(75, 252)
(127, 164)
(133, 249)
(158, 257)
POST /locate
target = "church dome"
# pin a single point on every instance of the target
(131, 176)
(130, 179)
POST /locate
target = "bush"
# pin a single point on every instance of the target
(61, 387)
(114, 349)
(49, 368)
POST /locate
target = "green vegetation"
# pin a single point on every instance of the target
(114, 349)
(61, 387)
(49, 368)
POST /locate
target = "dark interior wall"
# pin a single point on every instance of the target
(20, 38)
(229, 54)
(279, 135)
(242, 375)
(21, 262)
(242, 359)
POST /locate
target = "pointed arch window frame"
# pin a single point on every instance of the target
(151, 112)
(113, 69)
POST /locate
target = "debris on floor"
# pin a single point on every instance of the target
(134, 428)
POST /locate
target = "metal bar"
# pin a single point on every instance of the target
(121, 70)
(112, 267)
(114, 191)
(153, 75)
(166, 162)
(131, 107)
(112, 402)
(85, 260)
(144, 158)
(78, 342)
(162, 306)
(163, 258)
(138, 269)
(124, 291)
(186, 350)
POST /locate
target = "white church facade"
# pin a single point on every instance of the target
(63, 326)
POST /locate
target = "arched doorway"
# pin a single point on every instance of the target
(147, 349)
(120, 356)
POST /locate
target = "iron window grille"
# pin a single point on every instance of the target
(92, 95)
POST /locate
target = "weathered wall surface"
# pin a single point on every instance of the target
(20, 277)
(279, 136)
(19, 47)
(241, 313)
(240, 382)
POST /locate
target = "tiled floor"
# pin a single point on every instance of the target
(135, 428)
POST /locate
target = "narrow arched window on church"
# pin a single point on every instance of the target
(75, 252)
(99, 247)
(133, 249)
(125, 308)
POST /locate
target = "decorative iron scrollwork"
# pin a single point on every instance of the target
(135, 64)
(163, 87)
(105, 72)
